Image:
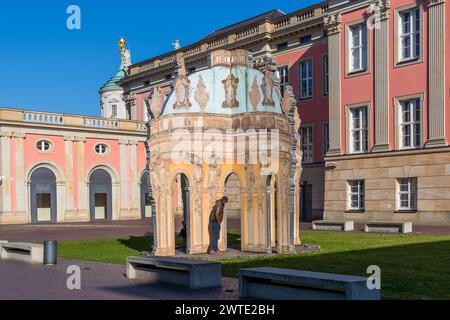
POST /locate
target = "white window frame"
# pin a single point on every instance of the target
(356, 188)
(398, 60)
(361, 131)
(413, 35)
(307, 143)
(410, 193)
(40, 146)
(284, 78)
(308, 80)
(103, 147)
(398, 115)
(360, 49)
(413, 124)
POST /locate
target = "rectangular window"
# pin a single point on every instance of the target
(356, 195)
(409, 35)
(359, 141)
(114, 111)
(358, 48)
(407, 194)
(305, 39)
(284, 78)
(307, 144)
(282, 45)
(325, 75)
(410, 128)
(326, 138)
(306, 79)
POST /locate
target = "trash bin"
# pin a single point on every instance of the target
(50, 252)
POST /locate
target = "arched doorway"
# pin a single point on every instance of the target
(272, 213)
(43, 196)
(232, 219)
(100, 195)
(146, 206)
(181, 202)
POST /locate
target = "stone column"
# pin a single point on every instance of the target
(69, 157)
(381, 62)
(82, 184)
(436, 73)
(124, 167)
(134, 177)
(332, 24)
(21, 199)
(5, 188)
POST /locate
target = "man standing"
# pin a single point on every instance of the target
(215, 219)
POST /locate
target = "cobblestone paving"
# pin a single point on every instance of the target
(99, 281)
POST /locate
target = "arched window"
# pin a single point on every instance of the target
(101, 149)
(44, 145)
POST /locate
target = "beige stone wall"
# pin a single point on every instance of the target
(430, 167)
(315, 175)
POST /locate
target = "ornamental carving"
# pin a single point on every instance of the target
(130, 99)
(156, 103)
(181, 85)
(230, 84)
(201, 95)
(332, 23)
(286, 102)
(181, 88)
(267, 88)
(380, 10)
(255, 95)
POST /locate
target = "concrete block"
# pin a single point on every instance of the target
(333, 225)
(388, 226)
(185, 272)
(22, 251)
(287, 284)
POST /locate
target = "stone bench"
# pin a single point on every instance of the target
(185, 272)
(333, 225)
(388, 226)
(22, 251)
(287, 284)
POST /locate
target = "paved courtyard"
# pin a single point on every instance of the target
(98, 281)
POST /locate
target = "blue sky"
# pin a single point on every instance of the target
(47, 67)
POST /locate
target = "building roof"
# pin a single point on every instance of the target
(270, 15)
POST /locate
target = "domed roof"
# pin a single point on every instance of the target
(111, 84)
(225, 88)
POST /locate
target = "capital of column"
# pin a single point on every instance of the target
(381, 9)
(332, 23)
(430, 3)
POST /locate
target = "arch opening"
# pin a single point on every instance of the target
(100, 195)
(146, 206)
(182, 211)
(232, 219)
(43, 196)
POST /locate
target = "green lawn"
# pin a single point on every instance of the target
(412, 266)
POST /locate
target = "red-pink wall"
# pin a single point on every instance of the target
(112, 158)
(405, 80)
(314, 110)
(33, 156)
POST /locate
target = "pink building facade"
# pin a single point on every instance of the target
(70, 168)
